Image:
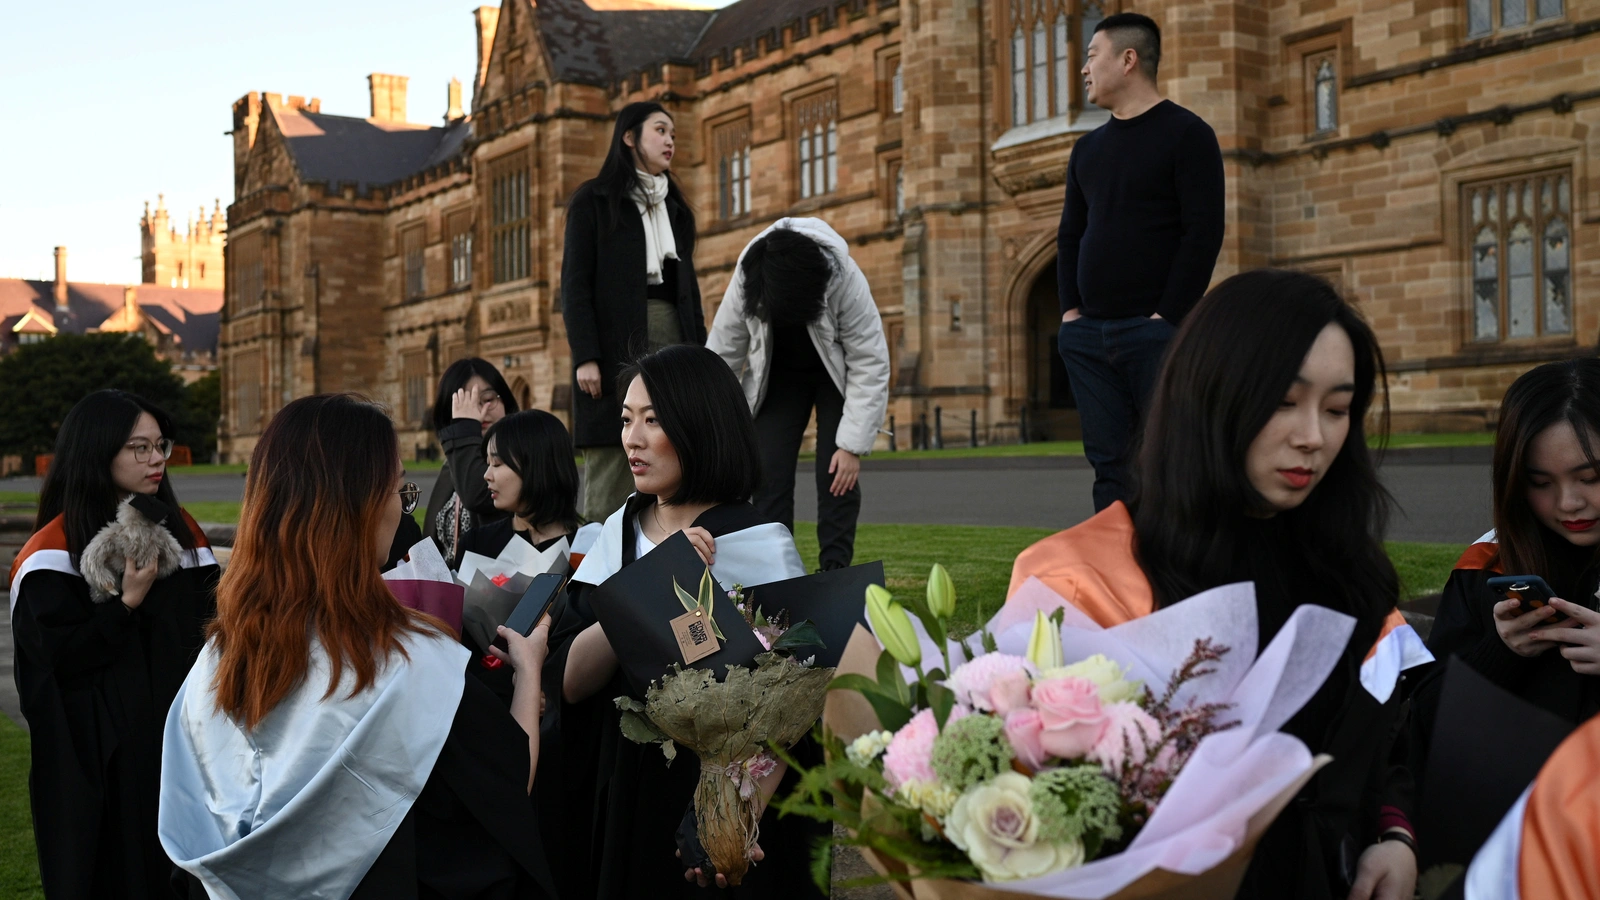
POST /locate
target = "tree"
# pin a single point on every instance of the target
(40, 383)
(203, 411)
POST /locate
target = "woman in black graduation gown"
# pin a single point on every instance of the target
(611, 808)
(328, 742)
(96, 677)
(472, 397)
(1254, 467)
(531, 480)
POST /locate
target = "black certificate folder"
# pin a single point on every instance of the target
(636, 606)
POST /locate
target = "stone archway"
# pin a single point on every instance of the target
(1035, 376)
(523, 393)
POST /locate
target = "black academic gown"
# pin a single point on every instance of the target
(610, 808)
(1311, 850)
(489, 540)
(96, 680)
(472, 833)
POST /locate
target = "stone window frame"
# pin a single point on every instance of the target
(247, 378)
(1322, 83)
(411, 242)
(509, 208)
(731, 144)
(816, 148)
(892, 99)
(1044, 48)
(1487, 19)
(1303, 52)
(1494, 214)
(894, 197)
(458, 230)
(416, 383)
(246, 270)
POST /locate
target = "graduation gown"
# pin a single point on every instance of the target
(1356, 716)
(610, 808)
(414, 788)
(489, 539)
(95, 681)
(1544, 848)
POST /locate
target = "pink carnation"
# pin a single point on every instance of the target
(1127, 728)
(973, 681)
(1010, 692)
(909, 756)
(1071, 715)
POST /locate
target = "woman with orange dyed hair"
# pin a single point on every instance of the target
(327, 742)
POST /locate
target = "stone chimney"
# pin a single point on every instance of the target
(388, 97)
(130, 304)
(452, 110)
(488, 18)
(61, 278)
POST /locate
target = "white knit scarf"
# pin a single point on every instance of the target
(650, 193)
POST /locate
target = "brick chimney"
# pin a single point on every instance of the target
(453, 109)
(388, 97)
(61, 278)
(488, 18)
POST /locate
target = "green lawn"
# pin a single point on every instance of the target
(956, 446)
(19, 865)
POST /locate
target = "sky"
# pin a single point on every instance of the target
(105, 105)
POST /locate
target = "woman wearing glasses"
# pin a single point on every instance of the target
(472, 397)
(97, 675)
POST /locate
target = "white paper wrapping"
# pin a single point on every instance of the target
(423, 563)
(1233, 774)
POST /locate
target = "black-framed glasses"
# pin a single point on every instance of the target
(143, 448)
(409, 495)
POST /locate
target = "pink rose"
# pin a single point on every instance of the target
(909, 756)
(1129, 729)
(1070, 711)
(1009, 691)
(1022, 730)
(970, 681)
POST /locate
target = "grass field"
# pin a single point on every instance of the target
(19, 868)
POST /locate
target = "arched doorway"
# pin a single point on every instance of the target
(1052, 410)
(523, 393)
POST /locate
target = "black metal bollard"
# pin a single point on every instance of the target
(972, 436)
(891, 434)
(938, 428)
(924, 430)
(1022, 430)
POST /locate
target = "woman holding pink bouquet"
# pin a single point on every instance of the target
(1254, 467)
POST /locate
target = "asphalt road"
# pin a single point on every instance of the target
(1445, 503)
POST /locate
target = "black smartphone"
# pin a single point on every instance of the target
(1530, 590)
(533, 606)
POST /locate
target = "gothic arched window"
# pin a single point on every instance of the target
(1326, 95)
(1519, 244)
(1045, 58)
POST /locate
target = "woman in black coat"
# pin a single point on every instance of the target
(628, 287)
(472, 397)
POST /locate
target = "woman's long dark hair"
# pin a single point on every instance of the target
(702, 409)
(456, 377)
(1226, 373)
(539, 449)
(619, 173)
(1548, 395)
(79, 483)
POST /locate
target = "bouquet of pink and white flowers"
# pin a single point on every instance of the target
(1059, 758)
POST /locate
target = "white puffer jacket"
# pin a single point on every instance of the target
(848, 336)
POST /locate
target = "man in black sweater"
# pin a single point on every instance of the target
(1139, 236)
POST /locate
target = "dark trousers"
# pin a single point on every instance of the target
(780, 426)
(1112, 364)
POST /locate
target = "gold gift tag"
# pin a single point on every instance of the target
(696, 640)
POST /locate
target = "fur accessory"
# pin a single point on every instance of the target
(136, 534)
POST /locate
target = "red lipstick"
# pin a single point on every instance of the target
(1578, 524)
(1297, 478)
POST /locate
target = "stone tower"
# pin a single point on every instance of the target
(190, 260)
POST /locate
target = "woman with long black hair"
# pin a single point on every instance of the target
(1546, 523)
(472, 397)
(1254, 467)
(694, 460)
(628, 287)
(97, 665)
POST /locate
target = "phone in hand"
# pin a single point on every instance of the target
(1530, 590)
(534, 605)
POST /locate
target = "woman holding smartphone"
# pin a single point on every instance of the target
(1254, 467)
(1547, 525)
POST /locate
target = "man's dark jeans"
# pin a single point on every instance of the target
(1112, 364)
(780, 427)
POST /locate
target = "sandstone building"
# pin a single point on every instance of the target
(189, 260)
(1429, 156)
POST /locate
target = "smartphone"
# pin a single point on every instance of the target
(534, 605)
(1531, 590)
